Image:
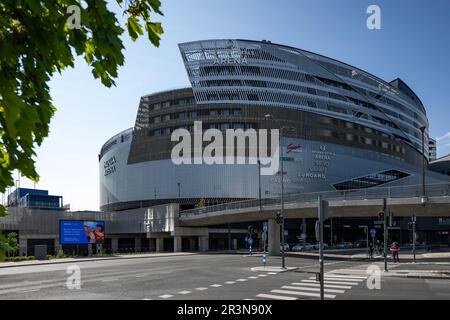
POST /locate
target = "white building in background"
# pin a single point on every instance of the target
(432, 149)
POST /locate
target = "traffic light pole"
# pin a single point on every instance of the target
(321, 218)
(385, 231)
(283, 262)
(414, 237)
(259, 185)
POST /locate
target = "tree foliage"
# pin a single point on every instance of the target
(37, 39)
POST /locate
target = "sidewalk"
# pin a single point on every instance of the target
(86, 259)
(420, 256)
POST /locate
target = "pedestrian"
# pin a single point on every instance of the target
(370, 250)
(395, 249)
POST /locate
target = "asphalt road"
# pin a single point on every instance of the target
(210, 276)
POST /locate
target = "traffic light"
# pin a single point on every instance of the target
(279, 218)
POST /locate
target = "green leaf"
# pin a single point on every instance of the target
(156, 5)
(134, 28)
(153, 31)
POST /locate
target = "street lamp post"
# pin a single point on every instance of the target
(422, 129)
(259, 183)
(283, 264)
(283, 260)
(413, 218)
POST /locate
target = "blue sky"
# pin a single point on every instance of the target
(413, 44)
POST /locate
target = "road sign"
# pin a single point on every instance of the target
(286, 232)
(373, 232)
(265, 226)
(323, 210)
(264, 236)
(317, 229)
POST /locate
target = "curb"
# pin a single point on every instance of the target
(273, 269)
(93, 259)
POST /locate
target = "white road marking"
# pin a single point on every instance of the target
(333, 282)
(230, 282)
(252, 277)
(241, 280)
(342, 279)
(184, 292)
(31, 290)
(147, 299)
(307, 294)
(262, 275)
(275, 297)
(318, 285)
(216, 285)
(165, 296)
(201, 288)
(344, 276)
(312, 289)
(109, 280)
(272, 273)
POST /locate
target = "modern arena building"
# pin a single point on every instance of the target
(342, 129)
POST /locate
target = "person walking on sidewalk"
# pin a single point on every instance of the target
(371, 250)
(395, 248)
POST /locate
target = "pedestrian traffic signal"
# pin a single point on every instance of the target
(279, 218)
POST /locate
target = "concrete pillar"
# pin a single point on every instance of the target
(114, 244)
(177, 244)
(192, 244)
(23, 246)
(151, 245)
(137, 244)
(159, 244)
(57, 246)
(274, 238)
(203, 244)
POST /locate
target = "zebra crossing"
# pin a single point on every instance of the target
(334, 284)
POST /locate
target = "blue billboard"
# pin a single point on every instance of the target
(81, 231)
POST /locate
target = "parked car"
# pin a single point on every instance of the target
(303, 247)
(360, 244)
(345, 245)
(316, 246)
(286, 247)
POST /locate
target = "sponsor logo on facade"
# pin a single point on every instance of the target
(109, 166)
(293, 148)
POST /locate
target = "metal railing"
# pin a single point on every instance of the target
(411, 191)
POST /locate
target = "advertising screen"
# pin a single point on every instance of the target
(81, 231)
